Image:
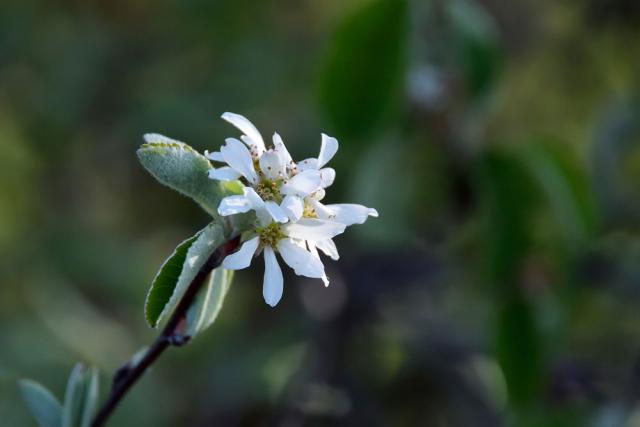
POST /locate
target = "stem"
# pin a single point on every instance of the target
(172, 334)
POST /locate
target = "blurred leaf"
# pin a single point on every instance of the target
(364, 67)
(208, 302)
(165, 281)
(80, 397)
(519, 348)
(477, 44)
(198, 252)
(180, 167)
(509, 194)
(566, 188)
(44, 407)
(614, 156)
(91, 397)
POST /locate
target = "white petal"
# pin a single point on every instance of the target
(349, 214)
(273, 283)
(322, 211)
(302, 184)
(216, 156)
(234, 204)
(255, 200)
(328, 149)
(242, 258)
(329, 248)
(327, 176)
(318, 195)
(276, 212)
(271, 165)
(307, 164)
(281, 149)
(293, 207)
(256, 150)
(224, 173)
(314, 252)
(258, 205)
(236, 155)
(247, 128)
(313, 229)
(301, 260)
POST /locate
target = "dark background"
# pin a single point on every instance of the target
(499, 140)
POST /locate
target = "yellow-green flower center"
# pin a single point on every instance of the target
(269, 190)
(270, 234)
(309, 211)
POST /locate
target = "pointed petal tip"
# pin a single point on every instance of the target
(271, 304)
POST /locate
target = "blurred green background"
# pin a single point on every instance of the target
(499, 140)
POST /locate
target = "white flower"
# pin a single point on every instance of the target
(270, 173)
(288, 240)
(286, 199)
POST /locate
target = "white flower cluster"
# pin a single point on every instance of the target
(286, 197)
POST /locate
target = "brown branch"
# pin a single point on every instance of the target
(172, 334)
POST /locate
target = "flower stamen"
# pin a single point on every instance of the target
(270, 234)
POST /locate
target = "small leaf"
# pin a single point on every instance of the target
(80, 397)
(205, 308)
(44, 407)
(198, 252)
(165, 281)
(180, 167)
(74, 398)
(91, 397)
(364, 67)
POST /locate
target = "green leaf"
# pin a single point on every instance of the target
(81, 397)
(198, 252)
(509, 194)
(364, 68)
(476, 44)
(165, 282)
(561, 179)
(44, 407)
(91, 397)
(205, 309)
(180, 167)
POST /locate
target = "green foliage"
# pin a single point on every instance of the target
(204, 310)
(565, 188)
(165, 281)
(80, 400)
(43, 406)
(180, 167)
(364, 67)
(615, 155)
(476, 41)
(80, 397)
(198, 251)
(509, 196)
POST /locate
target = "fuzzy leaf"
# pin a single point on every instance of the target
(204, 244)
(180, 167)
(80, 397)
(209, 301)
(165, 282)
(44, 407)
